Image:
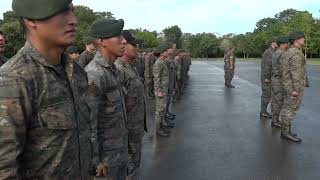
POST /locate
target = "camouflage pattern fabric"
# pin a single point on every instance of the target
(85, 58)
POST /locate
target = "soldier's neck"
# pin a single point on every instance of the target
(51, 53)
(109, 57)
(126, 59)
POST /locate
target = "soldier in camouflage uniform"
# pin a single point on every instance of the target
(266, 66)
(229, 66)
(135, 103)
(148, 73)
(139, 64)
(2, 44)
(88, 54)
(108, 101)
(161, 86)
(72, 53)
(178, 63)
(293, 80)
(42, 112)
(277, 91)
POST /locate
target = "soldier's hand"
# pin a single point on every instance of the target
(267, 81)
(295, 94)
(160, 94)
(101, 170)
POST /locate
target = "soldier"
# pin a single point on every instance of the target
(293, 80)
(72, 53)
(41, 111)
(135, 103)
(2, 44)
(148, 73)
(177, 53)
(229, 66)
(266, 66)
(277, 90)
(139, 64)
(161, 86)
(107, 101)
(172, 81)
(88, 54)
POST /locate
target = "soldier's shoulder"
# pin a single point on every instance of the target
(119, 64)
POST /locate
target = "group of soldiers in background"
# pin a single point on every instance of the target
(78, 116)
(283, 78)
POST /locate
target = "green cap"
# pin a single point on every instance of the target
(296, 35)
(282, 40)
(129, 38)
(106, 28)
(161, 48)
(89, 40)
(72, 49)
(39, 9)
(271, 40)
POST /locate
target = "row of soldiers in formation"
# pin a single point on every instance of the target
(78, 119)
(283, 79)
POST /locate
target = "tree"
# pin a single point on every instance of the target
(148, 39)
(173, 34)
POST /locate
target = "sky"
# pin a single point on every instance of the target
(196, 16)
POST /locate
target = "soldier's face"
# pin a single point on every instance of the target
(73, 56)
(131, 51)
(59, 30)
(115, 45)
(300, 41)
(90, 47)
(2, 43)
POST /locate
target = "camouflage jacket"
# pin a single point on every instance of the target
(266, 64)
(2, 60)
(85, 58)
(228, 57)
(293, 70)
(135, 99)
(139, 64)
(40, 119)
(178, 64)
(108, 113)
(148, 69)
(172, 72)
(161, 76)
(276, 66)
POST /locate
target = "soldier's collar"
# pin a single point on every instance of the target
(101, 60)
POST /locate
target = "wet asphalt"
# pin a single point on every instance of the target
(220, 136)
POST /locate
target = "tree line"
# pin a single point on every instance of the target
(204, 45)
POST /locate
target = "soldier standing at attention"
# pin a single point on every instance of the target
(135, 103)
(277, 91)
(161, 86)
(229, 66)
(2, 44)
(88, 54)
(266, 67)
(148, 73)
(40, 126)
(107, 102)
(293, 80)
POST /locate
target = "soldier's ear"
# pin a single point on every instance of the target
(30, 24)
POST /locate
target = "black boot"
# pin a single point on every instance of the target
(167, 124)
(171, 114)
(168, 116)
(275, 122)
(286, 134)
(263, 112)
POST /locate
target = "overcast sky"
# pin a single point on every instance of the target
(196, 16)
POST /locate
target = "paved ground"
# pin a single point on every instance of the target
(219, 135)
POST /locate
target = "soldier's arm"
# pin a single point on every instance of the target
(268, 67)
(147, 68)
(157, 70)
(178, 68)
(14, 110)
(296, 69)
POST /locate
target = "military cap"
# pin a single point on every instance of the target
(271, 40)
(72, 49)
(106, 28)
(162, 47)
(282, 39)
(89, 40)
(39, 9)
(129, 38)
(296, 35)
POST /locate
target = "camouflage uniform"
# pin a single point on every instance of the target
(85, 58)
(2, 60)
(44, 119)
(179, 72)
(109, 117)
(139, 64)
(266, 68)
(229, 58)
(172, 80)
(161, 83)
(136, 112)
(148, 75)
(293, 79)
(277, 90)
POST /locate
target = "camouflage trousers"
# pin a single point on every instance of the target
(115, 173)
(266, 93)
(134, 150)
(290, 107)
(149, 89)
(161, 104)
(228, 75)
(169, 98)
(277, 92)
(178, 89)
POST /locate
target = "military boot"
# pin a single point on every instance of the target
(167, 124)
(263, 112)
(275, 123)
(286, 134)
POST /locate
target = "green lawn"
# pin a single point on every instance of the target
(313, 61)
